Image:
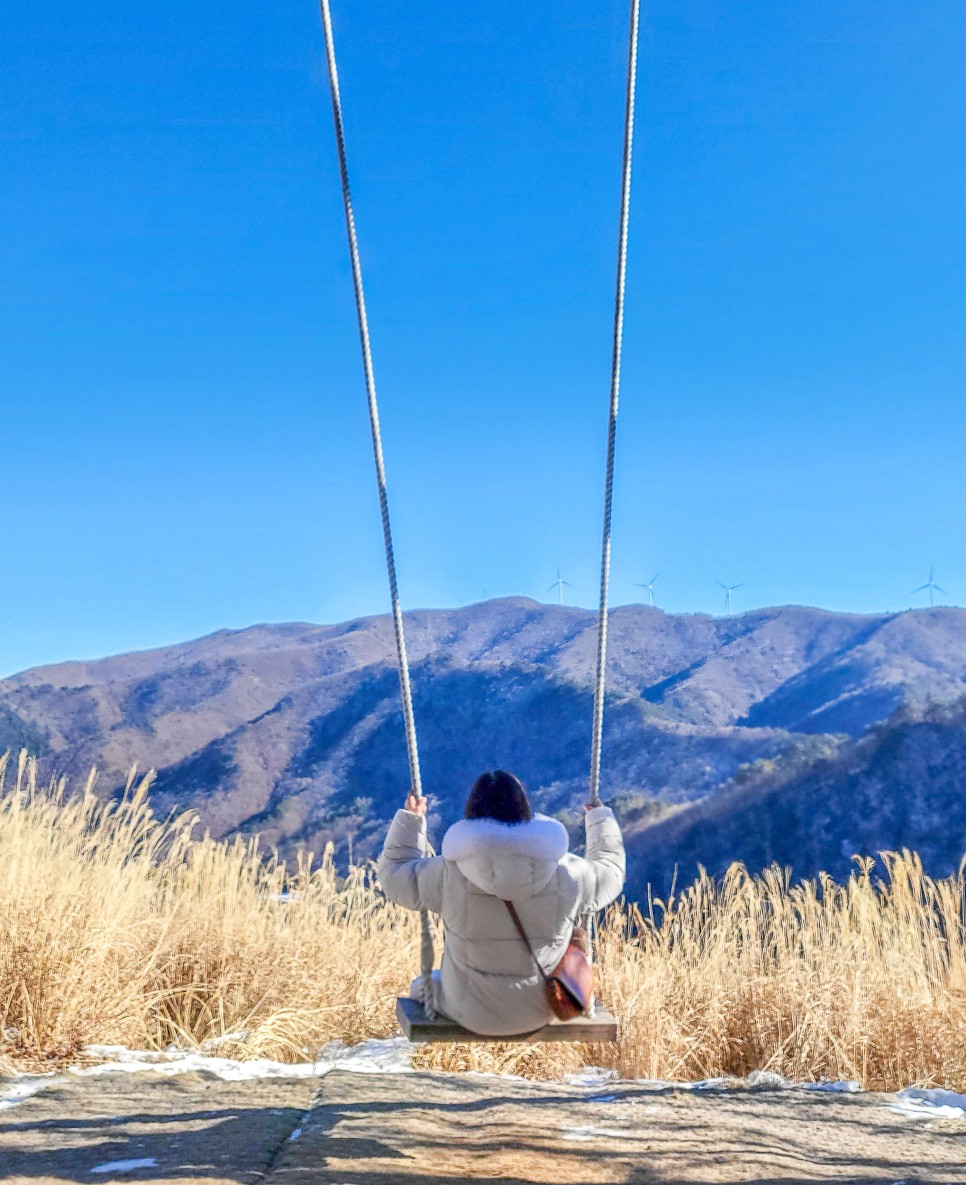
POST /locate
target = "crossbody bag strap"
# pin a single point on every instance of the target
(512, 910)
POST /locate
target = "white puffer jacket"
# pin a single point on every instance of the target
(489, 983)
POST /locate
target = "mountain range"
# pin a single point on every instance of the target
(789, 733)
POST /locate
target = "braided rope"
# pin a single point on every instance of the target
(615, 386)
(589, 923)
(427, 953)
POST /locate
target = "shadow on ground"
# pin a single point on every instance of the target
(433, 1129)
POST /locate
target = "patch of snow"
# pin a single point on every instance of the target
(755, 1078)
(767, 1078)
(929, 1103)
(225, 1038)
(393, 1055)
(591, 1076)
(594, 1077)
(12, 1094)
(389, 1055)
(170, 1064)
(662, 1084)
(595, 1133)
(126, 1166)
(120, 1051)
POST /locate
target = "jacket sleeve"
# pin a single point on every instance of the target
(408, 874)
(604, 866)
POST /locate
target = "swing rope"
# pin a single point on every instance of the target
(615, 388)
(427, 953)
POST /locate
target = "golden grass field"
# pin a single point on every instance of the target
(120, 928)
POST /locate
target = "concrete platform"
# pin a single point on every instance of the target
(440, 1129)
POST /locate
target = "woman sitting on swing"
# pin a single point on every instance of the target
(500, 852)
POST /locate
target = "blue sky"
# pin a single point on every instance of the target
(186, 436)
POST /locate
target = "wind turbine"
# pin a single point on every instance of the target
(931, 585)
(559, 584)
(728, 590)
(650, 590)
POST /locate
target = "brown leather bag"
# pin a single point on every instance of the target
(570, 986)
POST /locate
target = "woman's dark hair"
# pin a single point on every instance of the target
(499, 795)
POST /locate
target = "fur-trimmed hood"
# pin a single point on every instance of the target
(509, 860)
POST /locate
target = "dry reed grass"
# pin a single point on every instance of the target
(119, 928)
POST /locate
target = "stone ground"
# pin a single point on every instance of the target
(430, 1129)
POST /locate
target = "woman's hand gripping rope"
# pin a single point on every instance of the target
(418, 804)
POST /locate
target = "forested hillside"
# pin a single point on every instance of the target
(725, 736)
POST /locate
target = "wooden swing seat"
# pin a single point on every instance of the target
(584, 1029)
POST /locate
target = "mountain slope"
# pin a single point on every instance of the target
(902, 785)
(295, 730)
